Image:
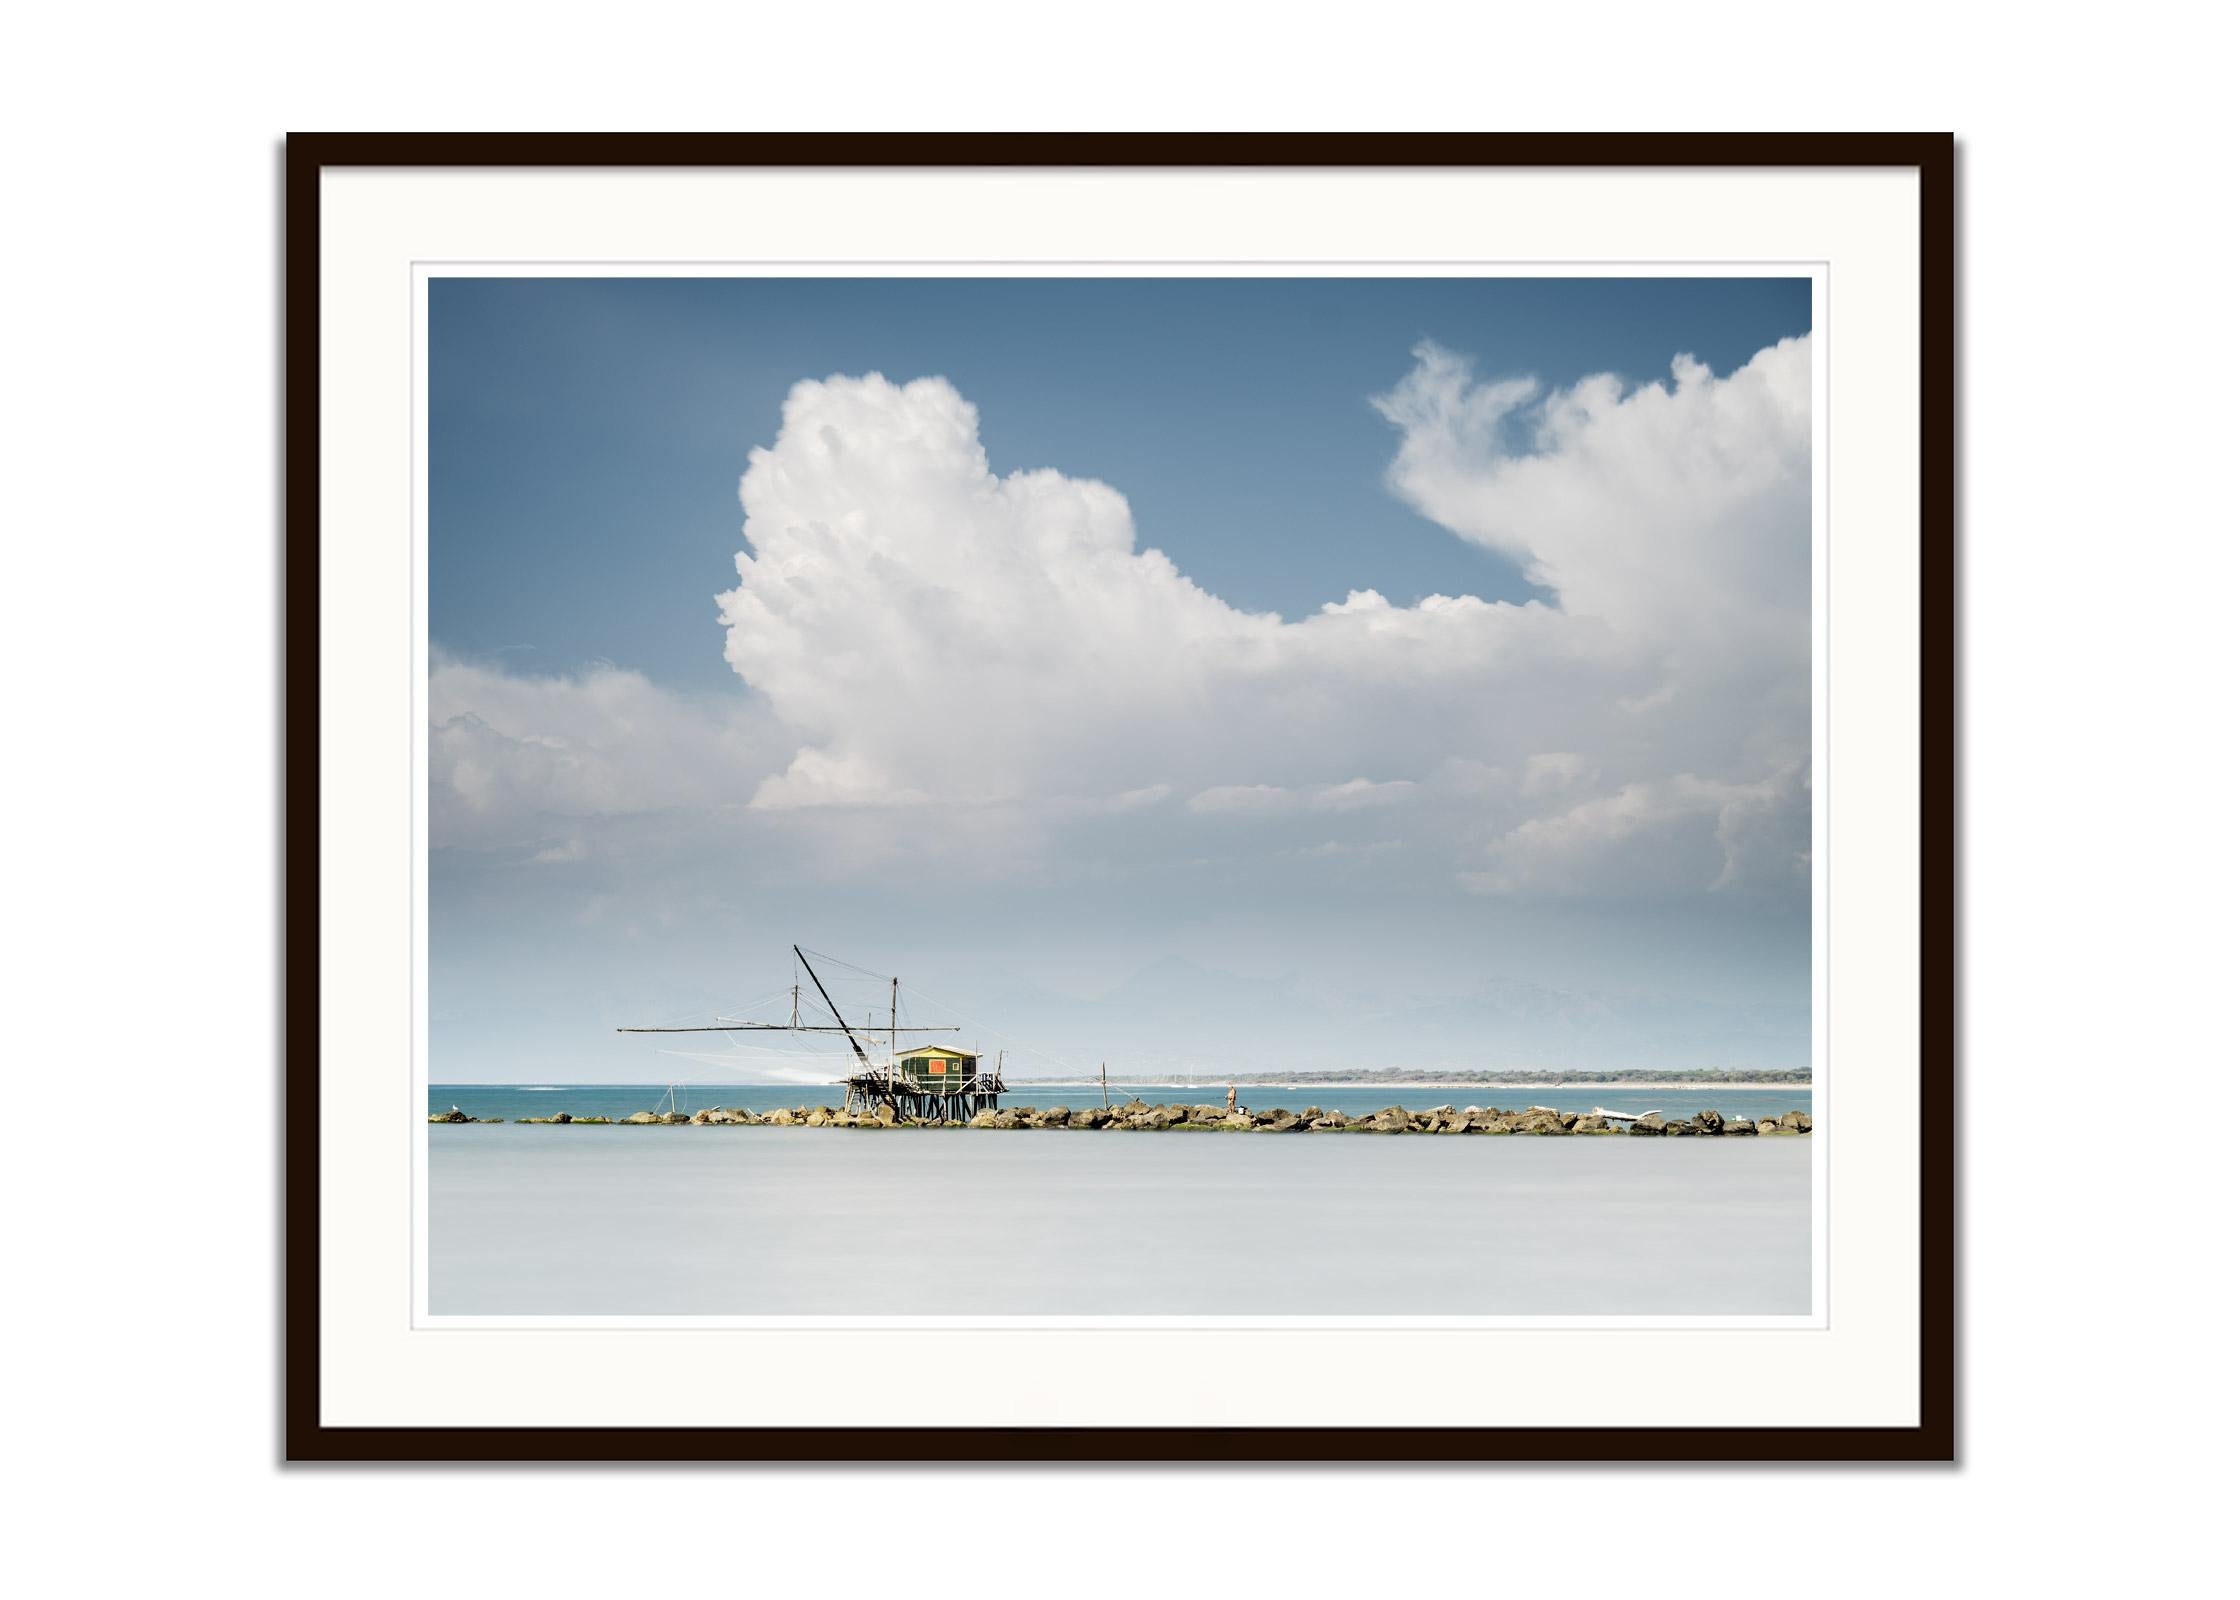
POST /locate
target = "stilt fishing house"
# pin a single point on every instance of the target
(927, 1082)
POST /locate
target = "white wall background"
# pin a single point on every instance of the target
(138, 624)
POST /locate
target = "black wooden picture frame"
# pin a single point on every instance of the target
(308, 1439)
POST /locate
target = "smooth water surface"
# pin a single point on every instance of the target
(746, 1221)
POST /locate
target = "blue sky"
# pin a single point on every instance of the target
(1064, 645)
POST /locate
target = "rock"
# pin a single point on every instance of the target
(1330, 1122)
(562, 1116)
(453, 1115)
(1089, 1117)
(1391, 1120)
(982, 1119)
(1281, 1122)
(1652, 1123)
(641, 1118)
(1795, 1122)
(1741, 1125)
(1135, 1108)
(1768, 1125)
(1681, 1130)
(885, 1115)
(1591, 1124)
(1711, 1122)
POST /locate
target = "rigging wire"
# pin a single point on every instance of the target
(816, 1050)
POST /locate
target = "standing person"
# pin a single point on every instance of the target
(1232, 1099)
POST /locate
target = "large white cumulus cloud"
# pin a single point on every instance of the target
(930, 640)
(935, 632)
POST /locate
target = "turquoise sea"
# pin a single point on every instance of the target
(513, 1100)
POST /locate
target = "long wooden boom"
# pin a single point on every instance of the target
(774, 1027)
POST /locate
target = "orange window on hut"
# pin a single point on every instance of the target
(937, 1066)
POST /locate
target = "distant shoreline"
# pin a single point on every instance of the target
(1288, 1086)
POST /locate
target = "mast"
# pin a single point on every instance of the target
(894, 1009)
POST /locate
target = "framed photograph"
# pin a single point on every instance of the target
(1120, 797)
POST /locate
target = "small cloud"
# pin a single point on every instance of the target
(1554, 772)
(1462, 776)
(1138, 799)
(1359, 793)
(1685, 833)
(1241, 799)
(573, 849)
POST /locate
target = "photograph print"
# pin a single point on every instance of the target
(1103, 797)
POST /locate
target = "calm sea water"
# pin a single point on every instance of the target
(744, 1221)
(511, 1100)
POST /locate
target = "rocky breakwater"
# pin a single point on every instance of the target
(1712, 1124)
(1137, 1116)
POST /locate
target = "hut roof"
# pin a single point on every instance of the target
(937, 1050)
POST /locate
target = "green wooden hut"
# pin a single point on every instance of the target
(937, 1069)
